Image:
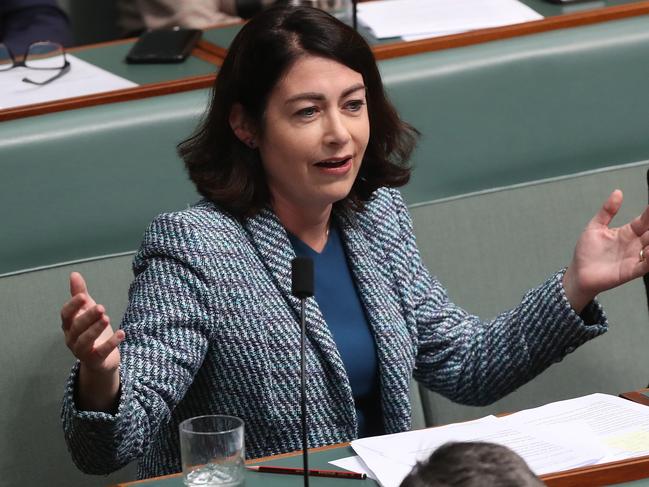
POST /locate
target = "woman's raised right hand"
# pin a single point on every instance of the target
(91, 339)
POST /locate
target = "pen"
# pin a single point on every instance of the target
(312, 472)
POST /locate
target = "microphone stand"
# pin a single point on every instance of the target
(302, 288)
(355, 15)
(305, 456)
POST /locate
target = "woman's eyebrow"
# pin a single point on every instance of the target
(352, 89)
(321, 97)
(305, 96)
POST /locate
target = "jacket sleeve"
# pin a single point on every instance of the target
(477, 362)
(166, 324)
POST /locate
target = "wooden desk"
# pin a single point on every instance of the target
(624, 473)
(198, 71)
(628, 473)
(556, 17)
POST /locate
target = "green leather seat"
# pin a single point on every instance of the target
(85, 183)
(526, 108)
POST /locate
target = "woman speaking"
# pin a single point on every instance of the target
(300, 153)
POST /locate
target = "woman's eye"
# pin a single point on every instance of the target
(355, 105)
(307, 112)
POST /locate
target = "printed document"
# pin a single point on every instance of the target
(621, 426)
(412, 19)
(589, 430)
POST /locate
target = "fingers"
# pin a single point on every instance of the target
(609, 209)
(71, 308)
(77, 284)
(80, 301)
(644, 241)
(85, 320)
(640, 225)
(86, 326)
(102, 350)
(87, 330)
(82, 339)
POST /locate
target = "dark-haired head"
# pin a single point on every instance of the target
(224, 162)
(472, 464)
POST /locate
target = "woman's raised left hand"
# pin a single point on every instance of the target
(606, 257)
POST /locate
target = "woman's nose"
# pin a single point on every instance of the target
(336, 131)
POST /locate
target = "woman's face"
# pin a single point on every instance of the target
(316, 129)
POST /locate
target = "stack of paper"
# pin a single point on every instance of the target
(568, 434)
(411, 19)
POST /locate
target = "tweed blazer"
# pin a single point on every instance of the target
(212, 327)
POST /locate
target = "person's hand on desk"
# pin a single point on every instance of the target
(605, 257)
(91, 339)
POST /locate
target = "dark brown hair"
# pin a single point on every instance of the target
(228, 172)
(472, 464)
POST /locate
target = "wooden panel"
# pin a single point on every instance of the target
(605, 474)
(138, 92)
(640, 396)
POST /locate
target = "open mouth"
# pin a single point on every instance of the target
(337, 162)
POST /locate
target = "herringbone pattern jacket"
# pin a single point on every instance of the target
(211, 327)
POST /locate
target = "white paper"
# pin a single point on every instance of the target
(391, 457)
(398, 18)
(353, 464)
(428, 35)
(82, 79)
(621, 426)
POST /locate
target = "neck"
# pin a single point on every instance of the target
(311, 225)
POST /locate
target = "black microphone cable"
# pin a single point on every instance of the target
(302, 288)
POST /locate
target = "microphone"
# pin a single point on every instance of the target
(302, 287)
(302, 277)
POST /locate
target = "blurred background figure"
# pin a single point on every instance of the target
(136, 16)
(23, 22)
(472, 464)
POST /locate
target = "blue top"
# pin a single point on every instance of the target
(341, 307)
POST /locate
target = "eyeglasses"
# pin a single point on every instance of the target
(42, 55)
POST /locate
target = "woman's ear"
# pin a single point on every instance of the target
(241, 126)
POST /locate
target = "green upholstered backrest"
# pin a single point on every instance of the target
(84, 183)
(525, 108)
(35, 364)
(489, 248)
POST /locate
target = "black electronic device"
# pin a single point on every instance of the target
(163, 46)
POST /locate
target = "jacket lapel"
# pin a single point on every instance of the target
(385, 316)
(274, 249)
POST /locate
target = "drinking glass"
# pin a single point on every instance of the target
(212, 451)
